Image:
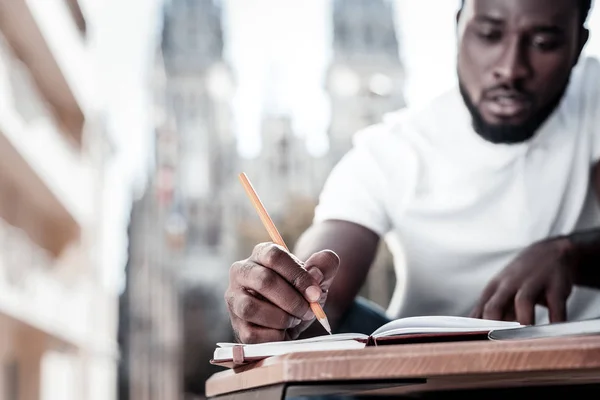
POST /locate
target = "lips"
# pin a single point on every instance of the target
(507, 105)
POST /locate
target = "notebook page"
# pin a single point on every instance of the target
(429, 324)
(279, 348)
(325, 338)
(562, 329)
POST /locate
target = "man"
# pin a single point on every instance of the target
(490, 191)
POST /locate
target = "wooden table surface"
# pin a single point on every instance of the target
(441, 366)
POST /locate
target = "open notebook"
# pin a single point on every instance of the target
(405, 330)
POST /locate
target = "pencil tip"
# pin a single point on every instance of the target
(326, 325)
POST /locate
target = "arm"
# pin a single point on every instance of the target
(356, 247)
(585, 247)
(544, 273)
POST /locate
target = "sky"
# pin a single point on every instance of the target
(279, 51)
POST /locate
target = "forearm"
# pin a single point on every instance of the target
(356, 246)
(585, 250)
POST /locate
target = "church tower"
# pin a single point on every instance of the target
(366, 78)
(199, 91)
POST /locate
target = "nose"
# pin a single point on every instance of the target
(512, 64)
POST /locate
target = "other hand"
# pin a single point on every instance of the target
(541, 274)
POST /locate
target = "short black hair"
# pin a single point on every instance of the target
(584, 9)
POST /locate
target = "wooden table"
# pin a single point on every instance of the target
(418, 369)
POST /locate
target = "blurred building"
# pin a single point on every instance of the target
(199, 91)
(57, 313)
(366, 77)
(176, 233)
(150, 323)
(284, 170)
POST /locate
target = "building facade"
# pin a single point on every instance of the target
(366, 78)
(150, 316)
(199, 90)
(57, 313)
(176, 233)
(150, 313)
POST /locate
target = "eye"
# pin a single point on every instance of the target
(489, 35)
(545, 42)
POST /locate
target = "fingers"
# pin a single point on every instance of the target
(269, 293)
(499, 302)
(249, 276)
(556, 299)
(510, 314)
(534, 292)
(511, 302)
(525, 301)
(317, 275)
(248, 333)
(262, 313)
(278, 260)
(327, 263)
(488, 292)
(255, 320)
(557, 308)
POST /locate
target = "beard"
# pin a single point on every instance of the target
(510, 133)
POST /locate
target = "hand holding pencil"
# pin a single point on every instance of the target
(272, 295)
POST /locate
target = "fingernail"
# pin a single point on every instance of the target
(296, 322)
(316, 274)
(308, 316)
(313, 293)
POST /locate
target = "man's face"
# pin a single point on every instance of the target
(514, 62)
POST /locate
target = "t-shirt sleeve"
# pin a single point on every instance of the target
(593, 106)
(356, 191)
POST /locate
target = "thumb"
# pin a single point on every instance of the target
(326, 262)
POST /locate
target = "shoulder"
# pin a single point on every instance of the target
(397, 150)
(583, 92)
(387, 145)
(587, 70)
(581, 107)
(415, 130)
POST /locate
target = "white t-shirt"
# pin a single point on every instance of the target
(455, 209)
